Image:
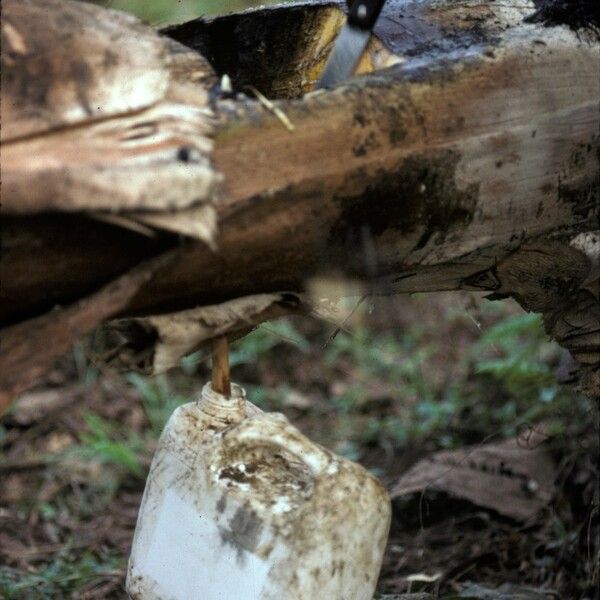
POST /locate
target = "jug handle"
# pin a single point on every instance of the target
(269, 430)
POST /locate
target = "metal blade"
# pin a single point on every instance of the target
(348, 49)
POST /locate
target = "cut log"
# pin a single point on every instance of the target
(468, 145)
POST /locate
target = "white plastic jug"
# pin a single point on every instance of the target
(239, 505)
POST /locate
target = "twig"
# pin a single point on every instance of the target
(342, 325)
(25, 464)
(272, 107)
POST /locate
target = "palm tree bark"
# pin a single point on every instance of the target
(471, 161)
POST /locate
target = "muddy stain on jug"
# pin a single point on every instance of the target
(243, 532)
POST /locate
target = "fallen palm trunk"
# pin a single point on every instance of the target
(470, 163)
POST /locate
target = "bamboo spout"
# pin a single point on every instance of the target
(221, 382)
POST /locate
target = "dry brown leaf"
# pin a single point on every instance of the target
(299, 400)
(157, 343)
(514, 478)
(36, 405)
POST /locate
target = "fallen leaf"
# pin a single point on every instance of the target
(297, 399)
(14, 489)
(423, 577)
(36, 405)
(58, 442)
(514, 479)
(155, 344)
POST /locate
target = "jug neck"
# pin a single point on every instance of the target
(223, 409)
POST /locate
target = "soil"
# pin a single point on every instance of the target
(67, 512)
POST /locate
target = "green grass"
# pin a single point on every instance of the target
(158, 399)
(519, 344)
(508, 381)
(67, 572)
(108, 443)
(374, 390)
(164, 12)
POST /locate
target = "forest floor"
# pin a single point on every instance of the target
(406, 379)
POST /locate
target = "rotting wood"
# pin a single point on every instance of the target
(30, 348)
(100, 113)
(480, 143)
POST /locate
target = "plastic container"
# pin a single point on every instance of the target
(240, 505)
